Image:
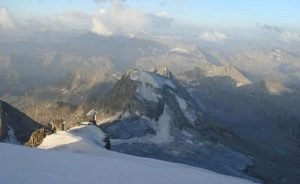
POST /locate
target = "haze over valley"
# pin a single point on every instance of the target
(205, 85)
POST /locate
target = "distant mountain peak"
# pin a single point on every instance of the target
(137, 92)
(210, 70)
(227, 70)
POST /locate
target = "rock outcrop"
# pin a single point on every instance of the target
(37, 137)
(57, 125)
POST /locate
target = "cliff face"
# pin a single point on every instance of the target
(15, 126)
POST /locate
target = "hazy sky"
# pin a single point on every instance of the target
(211, 12)
(209, 20)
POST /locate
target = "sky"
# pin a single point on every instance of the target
(109, 17)
(211, 12)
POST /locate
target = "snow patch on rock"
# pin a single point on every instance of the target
(150, 83)
(147, 92)
(182, 103)
(189, 113)
(187, 134)
(163, 128)
(11, 136)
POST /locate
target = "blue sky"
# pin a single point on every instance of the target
(200, 12)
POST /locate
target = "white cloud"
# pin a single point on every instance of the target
(289, 36)
(6, 20)
(99, 28)
(279, 33)
(102, 11)
(213, 36)
(118, 20)
(123, 20)
(163, 14)
(115, 18)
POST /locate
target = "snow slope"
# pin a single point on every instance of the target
(35, 166)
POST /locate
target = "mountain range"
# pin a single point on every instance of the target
(212, 111)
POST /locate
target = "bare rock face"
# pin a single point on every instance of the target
(14, 124)
(57, 125)
(37, 138)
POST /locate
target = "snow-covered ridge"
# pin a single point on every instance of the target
(150, 78)
(150, 81)
(111, 168)
(85, 138)
(180, 50)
